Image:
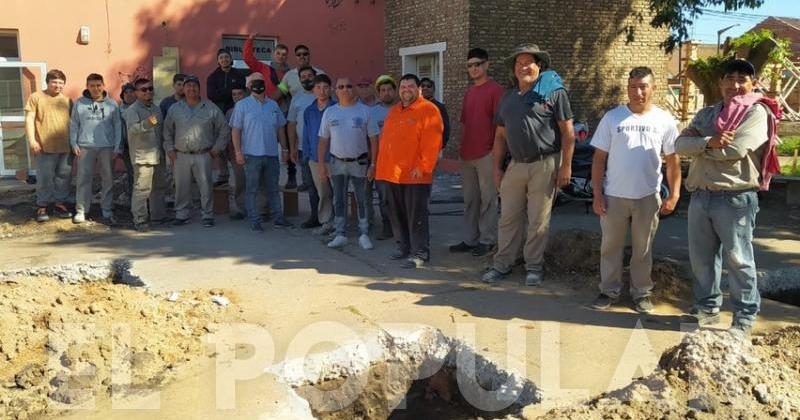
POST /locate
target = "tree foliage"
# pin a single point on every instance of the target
(678, 15)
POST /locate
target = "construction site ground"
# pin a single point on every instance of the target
(285, 280)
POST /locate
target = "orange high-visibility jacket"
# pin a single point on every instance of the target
(411, 138)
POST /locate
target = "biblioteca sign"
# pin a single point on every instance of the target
(262, 46)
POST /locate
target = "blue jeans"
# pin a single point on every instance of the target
(721, 231)
(342, 174)
(262, 172)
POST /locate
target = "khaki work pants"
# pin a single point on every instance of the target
(480, 201)
(642, 217)
(527, 191)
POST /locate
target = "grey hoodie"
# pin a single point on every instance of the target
(95, 124)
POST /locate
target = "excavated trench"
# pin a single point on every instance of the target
(417, 374)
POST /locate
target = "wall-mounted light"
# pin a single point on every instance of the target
(83, 35)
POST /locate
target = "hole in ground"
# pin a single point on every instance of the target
(417, 375)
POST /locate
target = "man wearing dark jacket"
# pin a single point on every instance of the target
(223, 80)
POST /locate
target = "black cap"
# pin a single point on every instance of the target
(191, 78)
(127, 87)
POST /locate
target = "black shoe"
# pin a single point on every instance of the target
(482, 249)
(398, 255)
(61, 211)
(236, 216)
(413, 262)
(462, 247)
(603, 302)
(311, 223)
(282, 223)
(643, 305)
(220, 182)
(208, 222)
(180, 222)
(700, 317)
(256, 227)
(291, 184)
(164, 221)
(386, 232)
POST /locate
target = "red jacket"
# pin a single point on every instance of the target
(271, 76)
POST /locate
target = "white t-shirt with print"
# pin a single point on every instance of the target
(346, 127)
(634, 143)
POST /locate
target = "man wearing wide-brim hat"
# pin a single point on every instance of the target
(534, 125)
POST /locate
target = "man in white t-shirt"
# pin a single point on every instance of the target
(353, 150)
(626, 180)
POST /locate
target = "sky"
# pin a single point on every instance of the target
(705, 28)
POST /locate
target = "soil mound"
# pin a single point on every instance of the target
(713, 375)
(60, 342)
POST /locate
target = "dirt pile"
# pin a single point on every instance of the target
(713, 375)
(60, 342)
(574, 255)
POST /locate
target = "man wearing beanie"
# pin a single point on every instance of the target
(223, 80)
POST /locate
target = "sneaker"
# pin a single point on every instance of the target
(291, 184)
(78, 218)
(643, 305)
(398, 255)
(180, 222)
(236, 216)
(41, 214)
(256, 227)
(338, 242)
(533, 278)
(208, 222)
(413, 262)
(325, 229)
(701, 317)
(493, 275)
(740, 327)
(282, 223)
(462, 247)
(365, 243)
(141, 227)
(482, 249)
(604, 302)
(311, 223)
(60, 211)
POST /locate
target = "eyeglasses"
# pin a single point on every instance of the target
(475, 64)
(146, 89)
(343, 87)
(303, 54)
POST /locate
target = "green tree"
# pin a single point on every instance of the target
(678, 15)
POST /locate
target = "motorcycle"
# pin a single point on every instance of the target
(580, 184)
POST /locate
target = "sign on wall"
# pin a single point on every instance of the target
(262, 46)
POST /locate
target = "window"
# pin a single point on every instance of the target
(426, 61)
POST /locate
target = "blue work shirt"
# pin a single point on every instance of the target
(259, 123)
(312, 118)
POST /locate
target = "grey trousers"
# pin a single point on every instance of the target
(149, 189)
(91, 159)
(53, 176)
(642, 217)
(198, 167)
(480, 201)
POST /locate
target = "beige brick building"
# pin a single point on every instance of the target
(592, 45)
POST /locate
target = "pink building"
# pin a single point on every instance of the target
(123, 39)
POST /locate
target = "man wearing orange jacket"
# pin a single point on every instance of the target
(408, 149)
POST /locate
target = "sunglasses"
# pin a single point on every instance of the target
(475, 64)
(146, 89)
(342, 87)
(303, 54)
